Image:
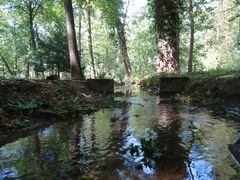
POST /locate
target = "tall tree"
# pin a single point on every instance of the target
(114, 14)
(80, 33)
(191, 45)
(75, 65)
(167, 21)
(90, 43)
(31, 8)
(123, 47)
(123, 42)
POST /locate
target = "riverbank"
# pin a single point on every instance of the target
(217, 91)
(225, 87)
(26, 105)
(144, 140)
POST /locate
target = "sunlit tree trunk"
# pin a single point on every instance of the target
(123, 47)
(75, 65)
(32, 35)
(90, 44)
(40, 66)
(218, 34)
(15, 49)
(167, 28)
(191, 45)
(80, 35)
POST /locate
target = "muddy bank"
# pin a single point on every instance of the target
(27, 105)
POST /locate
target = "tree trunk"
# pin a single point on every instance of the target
(31, 8)
(123, 47)
(32, 33)
(40, 65)
(75, 66)
(191, 45)
(6, 64)
(90, 46)
(80, 36)
(167, 28)
(15, 50)
(32, 41)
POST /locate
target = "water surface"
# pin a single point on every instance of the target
(193, 145)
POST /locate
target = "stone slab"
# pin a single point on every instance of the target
(172, 85)
(101, 85)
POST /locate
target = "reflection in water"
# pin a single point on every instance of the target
(172, 162)
(128, 92)
(75, 142)
(193, 145)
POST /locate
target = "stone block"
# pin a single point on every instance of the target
(101, 85)
(172, 85)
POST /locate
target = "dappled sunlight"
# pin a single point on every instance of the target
(119, 89)
(144, 140)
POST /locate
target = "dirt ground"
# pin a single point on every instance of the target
(28, 104)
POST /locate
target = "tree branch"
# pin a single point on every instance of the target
(36, 9)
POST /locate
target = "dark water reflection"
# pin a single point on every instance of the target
(193, 143)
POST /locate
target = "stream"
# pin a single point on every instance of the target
(187, 141)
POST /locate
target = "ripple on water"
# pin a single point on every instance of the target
(192, 141)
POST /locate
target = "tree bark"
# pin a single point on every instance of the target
(191, 45)
(80, 36)
(90, 45)
(75, 66)
(32, 33)
(32, 41)
(123, 48)
(167, 28)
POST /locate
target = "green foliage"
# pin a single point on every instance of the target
(147, 151)
(102, 75)
(181, 98)
(76, 104)
(21, 104)
(22, 122)
(152, 80)
(216, 37)
(233, 115)
(215, 101)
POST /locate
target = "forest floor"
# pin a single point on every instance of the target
(29, 104)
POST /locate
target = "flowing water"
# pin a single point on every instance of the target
(191, 144)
